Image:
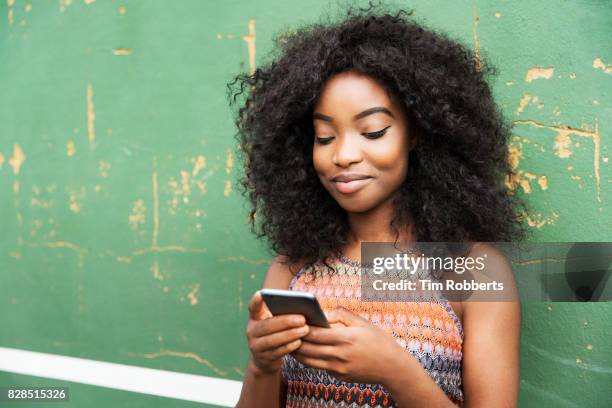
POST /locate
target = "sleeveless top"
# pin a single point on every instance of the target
(429, 330)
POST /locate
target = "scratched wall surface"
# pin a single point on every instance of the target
(124, 238)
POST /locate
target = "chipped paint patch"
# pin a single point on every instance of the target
(539, 73)
(193, 356)
(137, 216)
(229, 162)
(476, 40)
(509, 83)
(155, 210)
(122, 9)
(91, 116)
(122, 51)
(562, 141)
(250, 40)
(63, 4)
(498, 14)
(103, 168)
(193, 294)
(538, 221)
(70, 148)
(73, 203)
(28, 7)
(599, 64)
(17, 159)
(227, 188)
(156, 272)
(198, 164)
(562, 144)
(89, 1)
(543, 182)
(522, 103)
(10, 4)
(1, 160)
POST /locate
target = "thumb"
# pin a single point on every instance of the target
(346, 317)
(257, 308)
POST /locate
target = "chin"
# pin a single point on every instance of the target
(355, 205)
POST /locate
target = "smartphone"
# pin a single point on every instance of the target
(294, 302)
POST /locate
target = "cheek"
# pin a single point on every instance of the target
(390, 157)
(319, 161)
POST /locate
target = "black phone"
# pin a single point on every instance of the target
(294, 302)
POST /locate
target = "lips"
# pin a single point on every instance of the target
(350, 183)
(346, 177)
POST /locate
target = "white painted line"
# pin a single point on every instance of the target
(190, 387)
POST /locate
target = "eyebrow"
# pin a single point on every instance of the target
(371, 111)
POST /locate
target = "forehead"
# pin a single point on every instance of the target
(350, 90)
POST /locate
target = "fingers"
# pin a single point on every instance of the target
(346, 317)
(257, 308)
(320, 351)
(277, 323)
(321, 335)
(278, 339)
(279, 352)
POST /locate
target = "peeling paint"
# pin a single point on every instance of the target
(523, 102)
(17, 159)
(193, 298)
(543, 182)
(227, 188)
(198, 164)
(229, 162)
(250, 40)
(137, 215)
(91, 116)
(103, 168)
(70, 148)
(155, 269)
(1, 160)
(28, 7)
(73, 203)
(476, 40)
(122, 9)
(89, 1)
(193, 356)
(122, 51)
(10, 4)
(538, 72)
(538, 221)
(498, 14)
(562, 144)
(599, 64)
(155, 210)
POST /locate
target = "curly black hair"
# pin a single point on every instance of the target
(456, 186)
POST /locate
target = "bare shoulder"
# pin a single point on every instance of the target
(280, 272)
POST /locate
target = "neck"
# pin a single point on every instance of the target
(374, 226)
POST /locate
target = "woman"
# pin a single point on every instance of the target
(376, 129)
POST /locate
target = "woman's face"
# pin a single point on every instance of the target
(361, 144)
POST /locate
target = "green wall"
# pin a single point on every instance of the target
(124, 238)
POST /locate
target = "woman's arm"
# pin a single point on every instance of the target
(490, 350)
(259, 388)
(491, 346)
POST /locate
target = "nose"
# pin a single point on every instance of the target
(347, 151)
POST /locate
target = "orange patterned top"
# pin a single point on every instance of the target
(430, 330)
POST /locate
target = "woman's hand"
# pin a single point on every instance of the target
(352, 350)
(271, 337)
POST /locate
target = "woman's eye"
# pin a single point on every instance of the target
(323, 140)
(377, 134)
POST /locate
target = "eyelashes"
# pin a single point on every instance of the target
(377, 134)
(371, 135)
